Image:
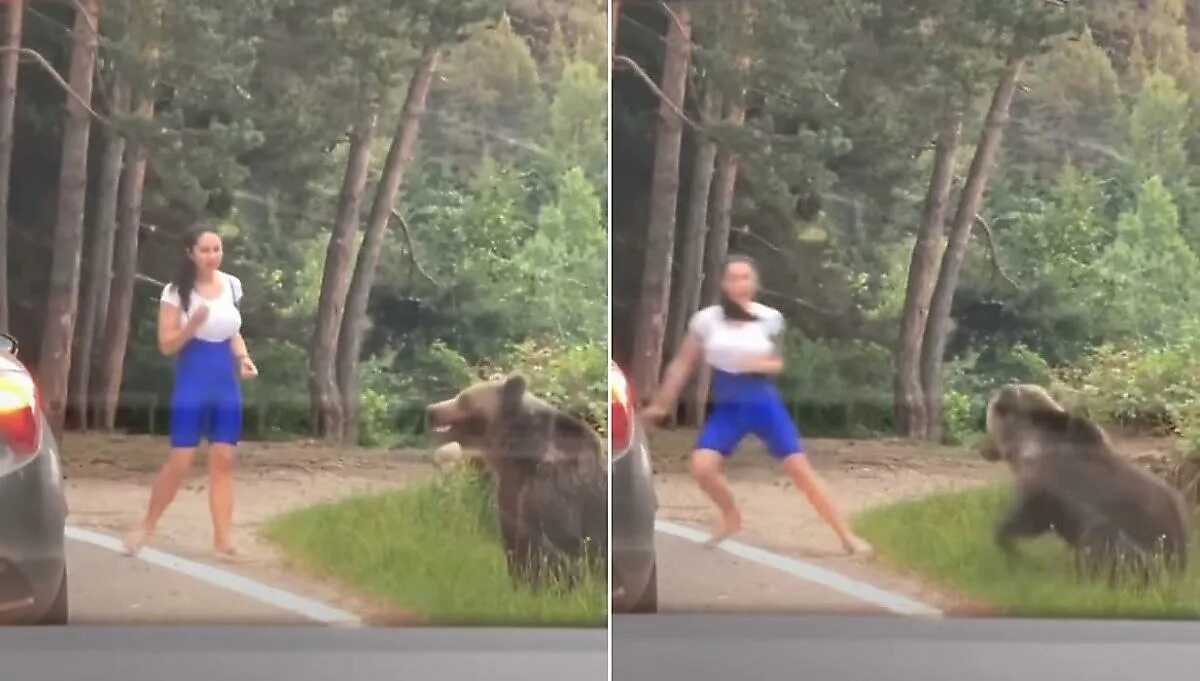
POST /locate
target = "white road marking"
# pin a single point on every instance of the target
(887, 600)
(270, 595)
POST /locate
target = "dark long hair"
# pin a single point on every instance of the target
(731, 309)
(185, 277)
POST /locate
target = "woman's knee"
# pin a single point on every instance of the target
(180, 460)
(706, 464)
(220, 458)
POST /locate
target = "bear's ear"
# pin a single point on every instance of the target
(511, 393)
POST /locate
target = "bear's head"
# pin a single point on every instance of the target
(471, 416)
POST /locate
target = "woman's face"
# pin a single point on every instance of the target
(207, 253)
(740, 282)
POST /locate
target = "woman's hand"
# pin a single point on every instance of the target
(654, 413)
(247, 368)
(197, 318)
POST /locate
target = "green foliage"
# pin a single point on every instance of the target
(971, 380)
(1151, 273)
(395, 391)
(1138, 386)
(505, 198)
(837, 389)
(573, 378)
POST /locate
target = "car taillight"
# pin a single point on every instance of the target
(19, 424)
(621, 409)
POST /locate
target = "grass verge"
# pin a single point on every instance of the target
(432, 549)
(947, 538)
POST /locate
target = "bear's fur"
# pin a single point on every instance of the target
(1071, 481)
(547, 470)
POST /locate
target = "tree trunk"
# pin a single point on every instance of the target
(936, 330)
(95, 302)
(691, 267)
(922, 273)
(125, 254)
(9, 61)
(335, 282)
(664, 195)
(54, 360)
(399, 158)
(717, 243)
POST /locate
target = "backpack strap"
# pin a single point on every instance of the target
(235, 285)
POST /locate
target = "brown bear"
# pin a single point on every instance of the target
(548, 473)
(1071, 481)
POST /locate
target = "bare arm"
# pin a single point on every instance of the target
(678, 371)
(246, 365)
(239, 346)
(171, 335)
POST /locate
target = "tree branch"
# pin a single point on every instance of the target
(412, 251)
(148, 279)
(992, 252)
(83, 11)
(666, 8)
(62, 83)
(641, 73)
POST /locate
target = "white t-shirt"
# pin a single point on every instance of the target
(729, 343)
(224, 318)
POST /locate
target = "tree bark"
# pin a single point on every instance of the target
(335, 282)
(54, 360)
(660, 243)
(9, 62)
(94, 310)
(399, 158)
(716, 245)
(908, 397)
(125, 251)
(934, 343)
(691, 266)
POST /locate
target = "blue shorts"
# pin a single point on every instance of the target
(748, 405)
(207, 400)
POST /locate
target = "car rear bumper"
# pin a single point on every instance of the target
(633, 510)
(33, 514)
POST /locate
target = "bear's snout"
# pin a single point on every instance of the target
(440, 416)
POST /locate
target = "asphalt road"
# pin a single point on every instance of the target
(693, 578)
(110, 588)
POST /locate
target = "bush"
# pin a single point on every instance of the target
(573, 377)
(970, 382)
(1138, 387)
(396, 389)
(837, 388)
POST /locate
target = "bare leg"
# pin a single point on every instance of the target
(220, 497)
(807, 480)
(706, 469)
(161, 495)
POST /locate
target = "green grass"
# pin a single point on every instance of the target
(948, 539)
(431, 549)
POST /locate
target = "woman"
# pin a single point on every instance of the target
(740, 339)
(199, 321)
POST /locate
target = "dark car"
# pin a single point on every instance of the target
(33, 507)
(634, 561)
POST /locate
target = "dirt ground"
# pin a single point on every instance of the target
(861, 474)
(108, 482)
